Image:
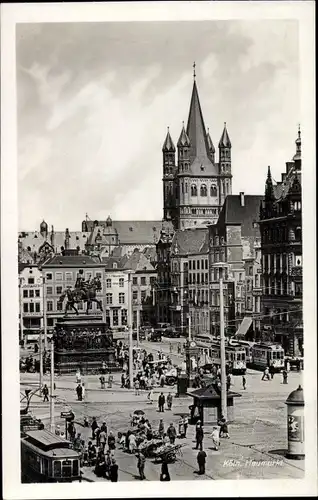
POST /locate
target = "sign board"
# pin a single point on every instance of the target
(66, 414)
(216, 286)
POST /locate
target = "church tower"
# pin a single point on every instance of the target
(225, 171)
(169, 173)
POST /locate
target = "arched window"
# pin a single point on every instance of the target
(194, 191)
(203, 190)
(186, 187)
(213, 190)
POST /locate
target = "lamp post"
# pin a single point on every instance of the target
(21, 281)
(52, 425)
(221, 266)
(130, 319)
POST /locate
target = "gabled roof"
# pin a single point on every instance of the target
(103, 236)
(143, 232)
(233, 212)
(199, 148)
(35, 240)
(138, 262)
(72, 261)
(211, 392)
(188, 241)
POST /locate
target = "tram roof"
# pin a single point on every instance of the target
(45, 440)
(57, 452)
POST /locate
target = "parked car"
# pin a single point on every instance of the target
(172, 333)
(156, 335)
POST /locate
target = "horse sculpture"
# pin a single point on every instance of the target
(83, 291)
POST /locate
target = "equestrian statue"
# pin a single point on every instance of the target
(83, 291)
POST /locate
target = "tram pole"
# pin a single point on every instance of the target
(222, 348)
(130, 319)
(52, 425)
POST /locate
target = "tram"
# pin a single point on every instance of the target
(48, 458)
(266, 355)
(235, 357)
(248, 349)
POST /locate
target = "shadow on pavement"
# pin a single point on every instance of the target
(280, 452)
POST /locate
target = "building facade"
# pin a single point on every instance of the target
(281, 245)
(199, 307)
(31, 302)
(195, 186)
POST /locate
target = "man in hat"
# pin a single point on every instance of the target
(199, 435)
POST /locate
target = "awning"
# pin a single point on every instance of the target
(244, 326)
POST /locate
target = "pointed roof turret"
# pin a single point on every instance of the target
(269, 188)
(225, 140)
(297, 156)
(210, 143)
(183, 139)
(168, 146)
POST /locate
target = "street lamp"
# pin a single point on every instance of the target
(129, 321)
(221, 266)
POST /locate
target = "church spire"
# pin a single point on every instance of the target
(168, 146)
(269, 188)
(196, 128)
(297, 156)
(184, 140)
(225, 140)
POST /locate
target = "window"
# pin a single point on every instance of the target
(135, 295)
(25, 294)
(30, 281)
(213, 190)
(59, 306)
(26, 307)
(109, 298)
(37, 293)
(115, 317)
(58, 290)
(49, 305)
(152, 280)
(37, 307)
(99, 275)
(122, 298)
(194, 191)
(135, 280)
(240, 276)
(108, 283)
(143, 295)
(298, 260)
(49, 290)
(256, 280)
(69, 276)
(31, 295)
(143, 280)
(58, 276)
(49, 276)
(124, 316)
(206, 264)
(121, 282)
(193, 211)
(203, 190)
(50, 322)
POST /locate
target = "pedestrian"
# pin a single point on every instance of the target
(199, 435)
(141, 465)
(79, 391)
(161, 428)
(215, 435)
(287, 366)
(185, 423)
(161, 402)
(162, 380)
(228, 382)
(132, 443)
(97, 434)
(150, 396)
(169, 401)
(172, 433)
(110, 381)
(137, 387)
(85, 422)
(103, 427)
(123, 380)
(58, 430)
(102, 439)
(201, 459)
(45, 392)
(181, 428)
(266, 374)
(78, 376)
(113, 471)
(224, 432)
(102, 382)
(244, 382)
(164, 476)
(285, 377)
(111, 441)
(94, 427)
(83, 391)
(271, 371)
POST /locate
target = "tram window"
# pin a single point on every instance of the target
(45, 467)
(67, 468)
(57, 468)
(75, 467)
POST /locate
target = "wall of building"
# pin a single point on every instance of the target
(31, 303)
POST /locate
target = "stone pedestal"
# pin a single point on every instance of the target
(83, 342)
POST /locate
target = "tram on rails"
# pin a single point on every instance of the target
(48, 458)
(266, 355)
(235, 357)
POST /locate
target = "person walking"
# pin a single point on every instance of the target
(113, 471)
(94, 426)
(169, 401)
(228, 382)
(201, 459)
(79, 392)
(164, 475)
(102, 381)
(285, 377)
(150, 396)
(161, 428)
(181, 428)
(271, 371)
(199, 433)
(137, 387)
(161, 402)
(185, 423)
(123, 380)
(141, 465)
(132, 443)
(172, 433)
(83, 391)
(215, 435)
(78, 376)
(266, 374)
(111, 441)
(244, 382)
(102, 439)
(45, 392)
(224, 432)
(110, 381)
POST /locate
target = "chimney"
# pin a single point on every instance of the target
(242, 199)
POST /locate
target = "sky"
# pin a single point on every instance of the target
(95, 100)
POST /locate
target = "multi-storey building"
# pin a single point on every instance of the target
(163, 285)
(195, 187)
(232, 240)
(31, 302)
(253, 292)
(281, 245)
(61, 272)
(198, 276)
(115, 300)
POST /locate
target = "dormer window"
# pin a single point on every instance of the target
(115, 265)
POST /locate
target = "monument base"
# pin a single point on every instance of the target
(83, 342)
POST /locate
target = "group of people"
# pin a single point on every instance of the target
(269, 372)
